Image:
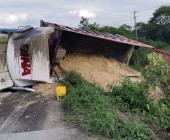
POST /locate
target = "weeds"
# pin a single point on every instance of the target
(133, 97)
(133, 131)
(159, 114)
(91, 108)
(130, 96)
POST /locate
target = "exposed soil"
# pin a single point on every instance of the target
(46, 90)
(99, 70)
(158, 132)
(156, 93)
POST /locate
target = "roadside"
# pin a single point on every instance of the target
(125, 112)
(26, 115)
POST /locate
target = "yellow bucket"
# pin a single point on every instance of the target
(60, 92)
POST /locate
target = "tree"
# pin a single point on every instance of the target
(158, 28)
(84, 22)
(161, 16)
(125, 27)
(142, 28)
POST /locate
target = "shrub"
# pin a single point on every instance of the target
(133, 131)
(156, 70)
(131, 95)
(91, 108)
(159, 113)
(139, 58)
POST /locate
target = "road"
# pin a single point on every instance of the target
(26, 115)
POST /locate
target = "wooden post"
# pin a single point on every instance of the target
(129, 54)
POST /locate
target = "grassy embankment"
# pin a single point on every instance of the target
(126, 112)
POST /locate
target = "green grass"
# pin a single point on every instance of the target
(130, 96)
(158, 114)
(133, 97)
(92, 110)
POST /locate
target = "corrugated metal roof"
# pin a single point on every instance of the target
(104, 36)
(16, 30)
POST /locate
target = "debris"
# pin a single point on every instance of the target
(46, 90)
(99, 70)
(23, 88)
(28, 116)
(17, 30)
(5, 80)
(28, 57)
(61, 53)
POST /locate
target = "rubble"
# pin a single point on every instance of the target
(99, 70)
(39, 57)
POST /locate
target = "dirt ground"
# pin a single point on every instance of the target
(28, 115)
(156, 93)
(99, 70)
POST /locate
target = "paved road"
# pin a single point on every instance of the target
(26, 116)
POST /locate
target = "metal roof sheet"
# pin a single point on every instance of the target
(104, 36)
(16, 30)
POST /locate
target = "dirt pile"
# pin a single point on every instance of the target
(47, 90)
(98, 69)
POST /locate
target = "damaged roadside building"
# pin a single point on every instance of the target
(42, 55)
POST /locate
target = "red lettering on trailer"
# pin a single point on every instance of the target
(25, 60)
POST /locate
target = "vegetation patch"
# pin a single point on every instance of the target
(133, 97)
(98, 112)
(92, 110)
(130, 96)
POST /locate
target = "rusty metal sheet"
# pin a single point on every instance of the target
(5, 79)
(104, 36)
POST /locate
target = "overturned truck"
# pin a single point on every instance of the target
(30, 55)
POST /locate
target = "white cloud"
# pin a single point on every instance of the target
(74, 12)
(83, 13)
(86, 14)
(11, 19)
(105, 12)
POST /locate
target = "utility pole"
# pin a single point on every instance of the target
(136, 31)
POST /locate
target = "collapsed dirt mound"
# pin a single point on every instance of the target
(98, 69)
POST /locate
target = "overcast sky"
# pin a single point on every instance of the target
(14, 13)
